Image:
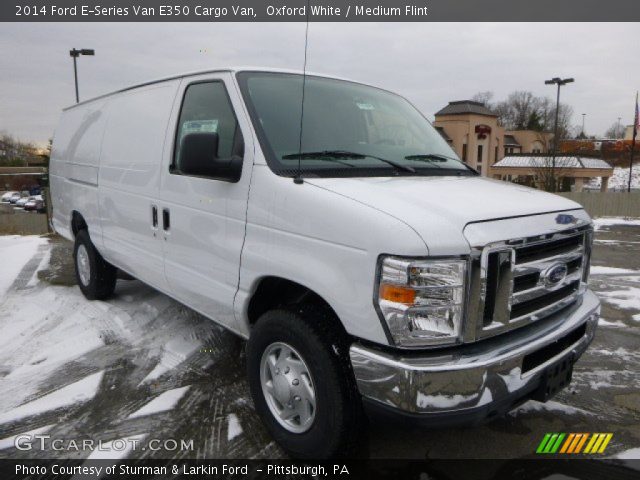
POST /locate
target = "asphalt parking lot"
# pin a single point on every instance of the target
(142, 366)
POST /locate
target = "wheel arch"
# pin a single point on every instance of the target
(77, 223)
(272, 292)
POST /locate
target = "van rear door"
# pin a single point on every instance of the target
(203, 219)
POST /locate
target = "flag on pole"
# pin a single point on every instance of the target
(636, 125)
(636, 122)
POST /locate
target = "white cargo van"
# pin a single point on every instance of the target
(363, 262)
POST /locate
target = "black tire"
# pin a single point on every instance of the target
(339, 427)
(102, 275)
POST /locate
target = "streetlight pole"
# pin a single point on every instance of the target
(559, 82)
(75, 53)
(583, 115)
(618, 129)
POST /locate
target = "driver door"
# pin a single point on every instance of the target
(203, 219)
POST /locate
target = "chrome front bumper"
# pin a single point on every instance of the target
(474, 377)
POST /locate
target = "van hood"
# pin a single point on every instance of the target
(439, 208)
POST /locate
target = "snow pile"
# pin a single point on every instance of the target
(15, 252)
(619, 180)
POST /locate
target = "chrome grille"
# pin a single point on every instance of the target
(527, 279)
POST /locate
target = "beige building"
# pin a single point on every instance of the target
(573, 172)
(628, 133)
(473, 132)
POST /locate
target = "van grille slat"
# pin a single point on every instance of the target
(550, 249)
(530, 306)
(524, 279)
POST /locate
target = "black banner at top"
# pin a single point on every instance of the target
(320, 11)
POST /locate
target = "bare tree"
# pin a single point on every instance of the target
(548, 175)
(616, 130)
(484, 98)
(522, 110)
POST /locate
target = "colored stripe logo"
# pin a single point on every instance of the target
(574, 443)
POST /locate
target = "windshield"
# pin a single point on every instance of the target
(348, 129)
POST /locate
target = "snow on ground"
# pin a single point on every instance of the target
(620, 353)
(10, 441)
(598, 378)
(628, 299)
(597, 270)
(610, 221)
(619, 181)
(38, 337)
(234, 428)
(631, 454)
(77, 392)
(163, 402)
(174, 353)
(606, 323)
(551, 405)
(44, 263)
(116, 449)
(15, 252)
(616, 242)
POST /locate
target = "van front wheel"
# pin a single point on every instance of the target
(95, 276)
(302, 384)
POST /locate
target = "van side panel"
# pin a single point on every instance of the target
(75, 158)
(129, 180)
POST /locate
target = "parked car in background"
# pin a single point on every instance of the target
(35, 204)
(21, 202)
(15, 197)
(6, 197)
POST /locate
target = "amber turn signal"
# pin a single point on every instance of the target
(397, 294)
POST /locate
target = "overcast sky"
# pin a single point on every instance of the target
(429, 63)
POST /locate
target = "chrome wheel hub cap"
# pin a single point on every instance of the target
(84, 269)
(288, 387)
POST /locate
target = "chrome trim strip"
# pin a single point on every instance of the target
(541, 290)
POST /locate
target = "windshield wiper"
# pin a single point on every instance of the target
(435, 158)
(347, 155)
(429, 157)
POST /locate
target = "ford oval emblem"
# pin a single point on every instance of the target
(555, 274)
(566, 219)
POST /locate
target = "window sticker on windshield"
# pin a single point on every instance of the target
(365, 106)
(200, 126)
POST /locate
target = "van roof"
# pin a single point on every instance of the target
(202, 72)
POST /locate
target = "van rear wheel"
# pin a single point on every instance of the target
(302, 384)
(95, 276)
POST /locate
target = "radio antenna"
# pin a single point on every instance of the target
(298, 178)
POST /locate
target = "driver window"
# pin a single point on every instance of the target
(206, 108)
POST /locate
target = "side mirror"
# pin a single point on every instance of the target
(199, 156)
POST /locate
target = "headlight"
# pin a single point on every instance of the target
(422, 301)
